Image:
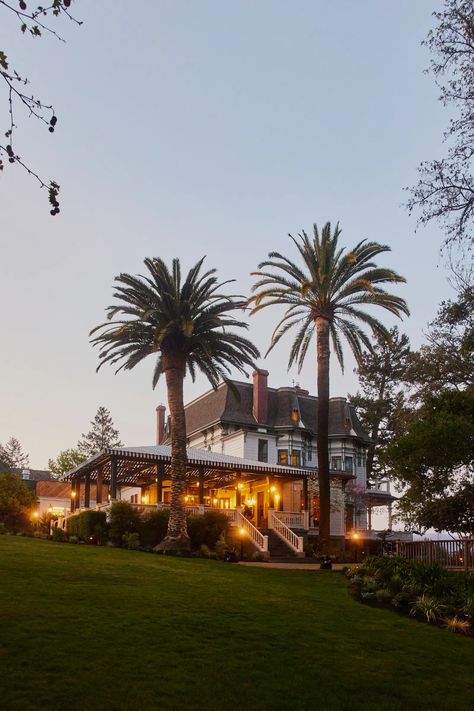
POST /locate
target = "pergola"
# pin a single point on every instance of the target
(141, 466)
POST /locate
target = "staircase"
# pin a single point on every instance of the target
(278, 550)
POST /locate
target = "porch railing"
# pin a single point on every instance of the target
(286, 534)
(258, 539)
(292, 519)
(454, 554)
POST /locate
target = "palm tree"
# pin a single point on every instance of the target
(323, 295)
(185, 326)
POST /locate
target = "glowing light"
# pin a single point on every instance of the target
(273, 488)
(145, 499)
(355, 535)
(215, 502)
(242, 531)
(73, 494)
(240, 485)
(186, 499)
(35, 514)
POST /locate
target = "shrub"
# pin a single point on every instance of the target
(73, 539)
(454, 624)
(205, 551)
(131, 541)
(428, 607)
(89, 526)
(207, 529)
(383, 595)
(221, 548)
(59, 535)
(124, 518)
(402, 600)
(152, 527)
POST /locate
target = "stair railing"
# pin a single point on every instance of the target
(258, 539)
(286, 534)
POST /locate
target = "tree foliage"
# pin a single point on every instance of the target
(34, 21)
(381, 405)
(445, 189)
(65, 461)
(434, 459)
(186, 325)
(16, 502)
(101, 435)
(12, 454)
(446, 361)
(326, 294)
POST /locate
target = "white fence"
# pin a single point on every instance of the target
(453, 554)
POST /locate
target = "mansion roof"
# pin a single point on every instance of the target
(223, 406)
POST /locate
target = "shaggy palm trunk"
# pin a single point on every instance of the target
(177, 538)
(322, 331)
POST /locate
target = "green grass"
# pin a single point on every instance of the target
(99, 628)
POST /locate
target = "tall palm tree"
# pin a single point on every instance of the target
(323, 296)
(185, 326)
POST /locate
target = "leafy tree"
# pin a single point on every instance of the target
(103, 434)
(446, 361)
(434, 459)
(324, 296)
(186, 327)
(381, 404)
(16, 502)
(445, 189)
(65, 461)
(451, 510)
(12, 454)
(33, 21)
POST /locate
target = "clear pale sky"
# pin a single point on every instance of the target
(189, 128)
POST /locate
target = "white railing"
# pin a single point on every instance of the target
(292, 519)
(231, 515)
(286, 534)
(454, 554)
(258, 539)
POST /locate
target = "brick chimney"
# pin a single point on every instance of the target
(160, 423)
(260, 396)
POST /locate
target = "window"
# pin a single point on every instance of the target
(296, 458)
(349, 464)
(309, 454)
(282, 456)
(336, 463)
(263, 450)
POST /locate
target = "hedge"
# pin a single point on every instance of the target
(89, 526)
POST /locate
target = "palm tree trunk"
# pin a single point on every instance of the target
(177, 538)
(322, 333)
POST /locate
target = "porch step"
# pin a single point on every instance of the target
(278, 550)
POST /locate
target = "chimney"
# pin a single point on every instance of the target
(260, 396)
(160, 423)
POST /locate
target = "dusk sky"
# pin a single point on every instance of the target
(201, 128)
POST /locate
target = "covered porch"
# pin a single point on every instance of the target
(255, 496)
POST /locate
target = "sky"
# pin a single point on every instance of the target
(201, 128)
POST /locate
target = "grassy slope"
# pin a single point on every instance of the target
(90, 628)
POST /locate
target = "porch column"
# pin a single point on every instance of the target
(73, 495)
(160, 468)
(390, 515)
(369, 514)
(99, 484)
(201, 489)
(238, 497)
(305, 495)
(113, 478)
(271, 502)
(87, 491)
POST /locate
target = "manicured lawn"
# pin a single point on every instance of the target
(98, 628)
